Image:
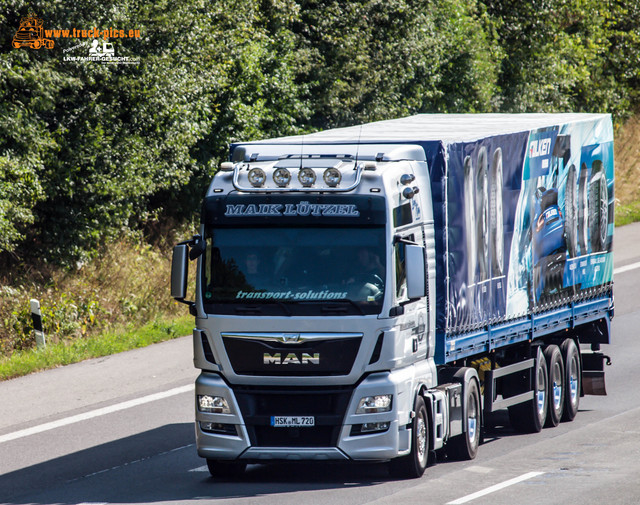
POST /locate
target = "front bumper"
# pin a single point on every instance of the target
(246, 433)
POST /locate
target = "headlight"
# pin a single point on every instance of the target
(307, 177)
(282, 177)
(332, 177)
(213, 404)
(257, 177)
(374, 404)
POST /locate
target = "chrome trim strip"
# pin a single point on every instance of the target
(294, 454)
(288, 337)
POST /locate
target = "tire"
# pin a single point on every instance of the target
(415, 463)
(583, 210)
(482, 214)
(530, 416)
(469, 216)
(465, 446)
(496, 213)
(573, 379)
(571, 212)
(599, 212)
(557, 377)
(230, 470)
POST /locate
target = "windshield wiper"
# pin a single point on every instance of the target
(251, 309)
(329, 308)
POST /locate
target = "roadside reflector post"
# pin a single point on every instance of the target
(36, 317)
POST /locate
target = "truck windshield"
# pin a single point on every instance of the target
(294, 271)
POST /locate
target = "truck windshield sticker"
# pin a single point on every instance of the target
(290, 295)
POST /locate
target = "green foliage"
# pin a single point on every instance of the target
(92, 152)
(568, 55)
(379, 59)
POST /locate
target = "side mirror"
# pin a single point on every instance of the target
(415, 267)
(179, 272)
(198, 246)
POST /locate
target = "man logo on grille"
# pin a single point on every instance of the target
(291, 359)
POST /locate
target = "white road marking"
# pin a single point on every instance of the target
(626, 268)
(204, 468)
(495, 488)
(95, 413)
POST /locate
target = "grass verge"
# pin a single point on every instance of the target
(626, 214)
(79, 349)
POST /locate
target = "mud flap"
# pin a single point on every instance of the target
(593, 373)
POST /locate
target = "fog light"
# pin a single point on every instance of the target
(332, 177)
(374, 404)
(307, 177)
(222, 429)
(282, 177)
(213, 404)
(369, 427)
(257, 177)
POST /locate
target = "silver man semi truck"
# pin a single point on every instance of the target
(373, 293)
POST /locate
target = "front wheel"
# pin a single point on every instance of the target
(414, 464)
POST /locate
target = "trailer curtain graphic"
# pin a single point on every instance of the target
(536, 225)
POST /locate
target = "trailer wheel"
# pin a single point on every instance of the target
(414, 464)
(530, 416)
(226, 469)
(555, 366)
(465, 446)
(573, 379)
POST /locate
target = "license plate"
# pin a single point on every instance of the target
(292, 421)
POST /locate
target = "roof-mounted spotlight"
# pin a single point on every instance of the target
(282, 177)
(332, 177)
(257, 177)
(307, 177)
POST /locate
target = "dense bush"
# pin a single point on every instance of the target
(89, 152)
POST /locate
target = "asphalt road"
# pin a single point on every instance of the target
(120, 430)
